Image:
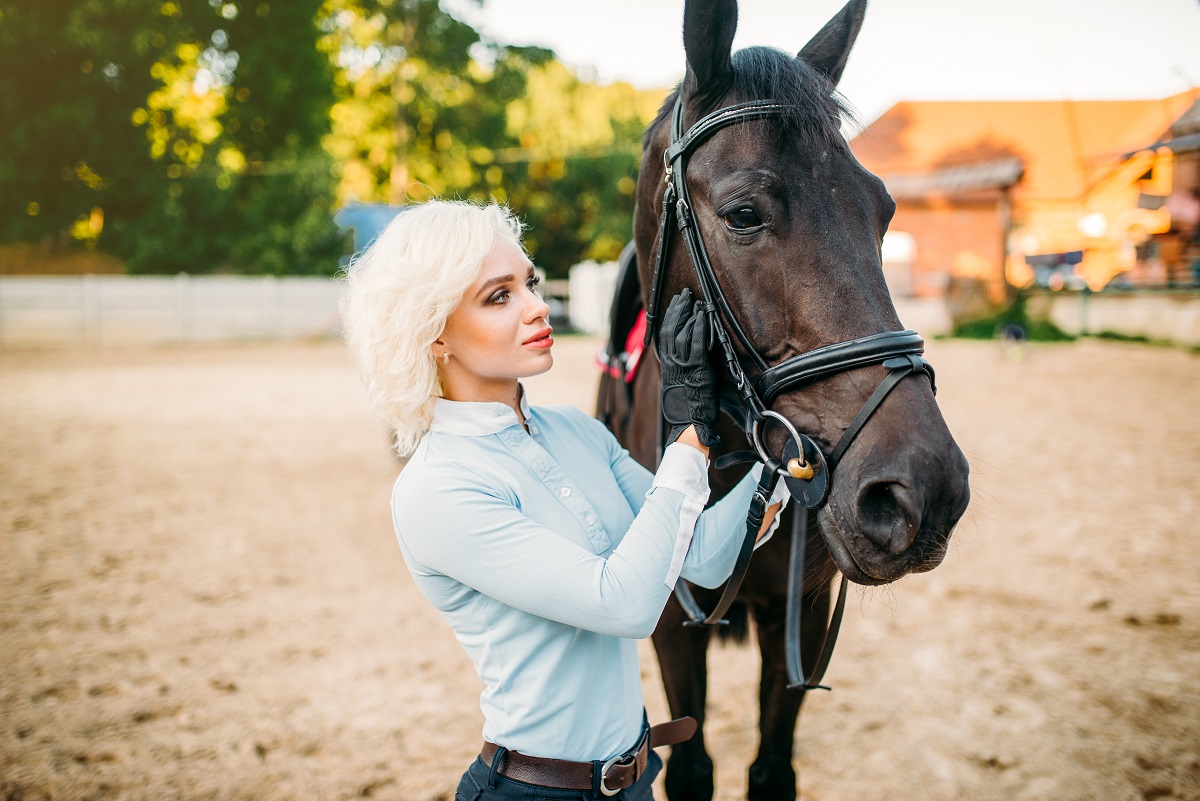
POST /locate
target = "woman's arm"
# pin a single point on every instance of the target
(450, 523)
(721, 529)
(717, 538)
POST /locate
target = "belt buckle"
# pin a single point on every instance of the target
(604, 788)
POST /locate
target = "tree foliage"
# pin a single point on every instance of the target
(574, 174)
(422, 99)
(178, 136)
(71, 76)
(218, 135)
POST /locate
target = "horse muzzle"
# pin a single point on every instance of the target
(884, 523)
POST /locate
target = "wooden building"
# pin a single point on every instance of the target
(1178, 248)
(1009, 192)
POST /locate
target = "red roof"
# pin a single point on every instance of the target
(1066, 146)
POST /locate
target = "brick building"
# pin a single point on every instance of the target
(1178, 248)
(1020, 189)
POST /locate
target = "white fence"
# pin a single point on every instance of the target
(117, 310)
(592, 286)
(104, 310)
(1162, 315)
(590, 294)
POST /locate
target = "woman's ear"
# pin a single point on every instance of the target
(444, 355)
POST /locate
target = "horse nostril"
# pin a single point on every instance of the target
(888, 516)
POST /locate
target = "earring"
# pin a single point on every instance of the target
(446, 357)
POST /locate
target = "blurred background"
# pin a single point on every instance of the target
(1036, 146)
(201, 592)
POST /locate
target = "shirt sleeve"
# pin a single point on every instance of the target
(685, 469)
(711, 547)
(633, 479)
(452, 523)
(720, 530)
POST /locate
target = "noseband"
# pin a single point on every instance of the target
(804, 467)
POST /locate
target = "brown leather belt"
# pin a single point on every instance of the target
(614, 775)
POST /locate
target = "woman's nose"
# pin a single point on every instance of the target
(539, 308)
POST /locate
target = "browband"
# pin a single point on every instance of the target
(837, 358)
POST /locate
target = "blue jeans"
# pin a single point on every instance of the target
(479, 783)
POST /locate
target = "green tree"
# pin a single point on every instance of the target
(422, 100)
(175, 136)
(249, 187)
(71, 76)
(219, 135)
(427, 108)
(574, 175)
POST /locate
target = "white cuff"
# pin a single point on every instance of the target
(685, 470)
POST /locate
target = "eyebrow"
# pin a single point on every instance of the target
(500, 279)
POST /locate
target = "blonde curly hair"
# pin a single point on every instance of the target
(399, 293)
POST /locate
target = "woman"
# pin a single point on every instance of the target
(546, 547)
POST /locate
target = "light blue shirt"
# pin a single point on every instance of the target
(550, 552)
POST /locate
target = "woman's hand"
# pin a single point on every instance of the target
(688, 437)
(768, 518)
(689, 387)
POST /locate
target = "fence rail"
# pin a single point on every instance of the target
(113, 310)
(117, 310)
(1163, 314)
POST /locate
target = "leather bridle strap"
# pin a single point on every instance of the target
(793, 614)
(677, 208)
(837, 358)
(901, 367)
(754, 519)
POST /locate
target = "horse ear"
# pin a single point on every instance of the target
(828, 50)
(708, 28)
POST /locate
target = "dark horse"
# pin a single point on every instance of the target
(792, 224)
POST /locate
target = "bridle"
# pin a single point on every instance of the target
(804, 467)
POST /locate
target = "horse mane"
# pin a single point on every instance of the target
(814, 109)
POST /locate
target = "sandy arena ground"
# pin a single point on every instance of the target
(202, 597)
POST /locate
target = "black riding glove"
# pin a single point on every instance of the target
(689, 386)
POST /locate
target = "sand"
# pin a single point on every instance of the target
(203, 599)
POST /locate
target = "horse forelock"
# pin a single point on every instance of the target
(813, 108)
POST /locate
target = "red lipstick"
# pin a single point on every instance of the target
(541, 339)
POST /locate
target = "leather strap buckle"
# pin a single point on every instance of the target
(604, 788)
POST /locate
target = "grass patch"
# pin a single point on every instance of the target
(1015, 315)
(1117, 336)
(1137, 339)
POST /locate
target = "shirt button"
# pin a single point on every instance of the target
(565, 492)
(589, 520)
(532, 429)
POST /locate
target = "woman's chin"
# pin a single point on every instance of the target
(547, 361)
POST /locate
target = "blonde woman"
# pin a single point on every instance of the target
(545, 546)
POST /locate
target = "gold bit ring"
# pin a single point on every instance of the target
(798, 468)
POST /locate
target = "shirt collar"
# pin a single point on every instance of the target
(476, 418)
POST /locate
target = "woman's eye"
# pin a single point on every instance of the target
(499, 297)
(743, 218)
(533, 284)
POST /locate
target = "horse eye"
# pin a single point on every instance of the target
(743, 218)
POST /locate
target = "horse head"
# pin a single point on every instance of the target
(792, 225)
